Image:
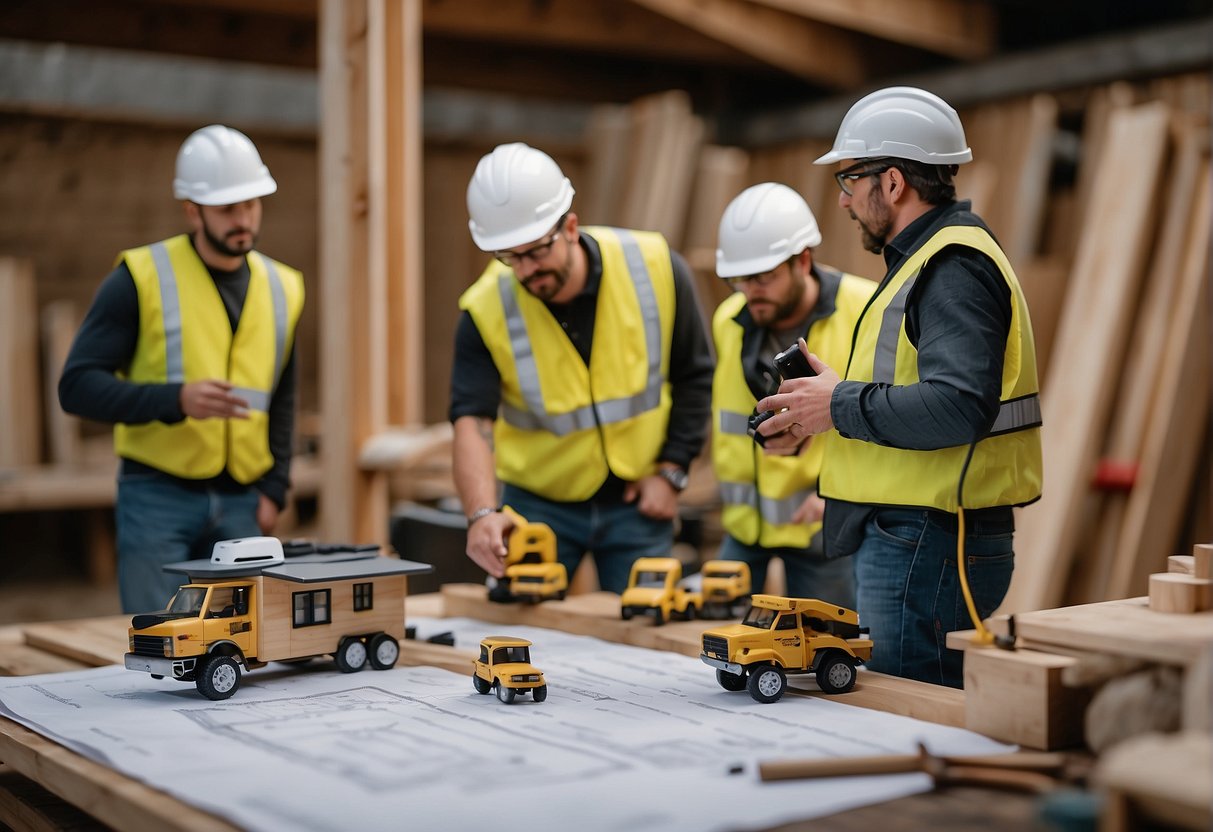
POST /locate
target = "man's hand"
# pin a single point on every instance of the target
(802, 407)
(267, 514)
(486, 542)
(212, 399)
(657, 498)
(811, 510)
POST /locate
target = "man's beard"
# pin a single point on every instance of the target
(875, 232)
(559, 278)
(223, 247)
(782, 311)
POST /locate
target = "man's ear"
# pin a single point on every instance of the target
(897, 184)
(193, 214)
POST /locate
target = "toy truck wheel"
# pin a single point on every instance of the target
(351, 655)
(836, 674)
(481, 685)
(658, 616)
(766, 683)
(627, 613)
(505, 694)
(540, 693)
(384, 652)
(730, 681)
(219, 677)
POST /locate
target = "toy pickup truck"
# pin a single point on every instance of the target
(532, 573)
(725, 583)
(249, 605)
(653, 587)
(787, 635)
(505, 666)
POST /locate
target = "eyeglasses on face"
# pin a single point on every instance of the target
(758, 279)
(535, 253)
(846, 179)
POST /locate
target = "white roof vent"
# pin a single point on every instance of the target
(247, 550)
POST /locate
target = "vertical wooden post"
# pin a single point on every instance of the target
(370, 314)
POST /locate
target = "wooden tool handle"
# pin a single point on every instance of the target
(839, 767)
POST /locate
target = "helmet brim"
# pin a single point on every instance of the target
(229, 196)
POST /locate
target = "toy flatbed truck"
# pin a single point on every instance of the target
(725, 584)
(248, 605)
(787, 635)
(532, 573)
(653, 587)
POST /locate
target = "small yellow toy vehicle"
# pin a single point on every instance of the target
(532, 573)
(787, 635)
(505, 666)
(725, 584)
(653, 588)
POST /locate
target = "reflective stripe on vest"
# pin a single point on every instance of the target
(536, 417)
(734, 424)
(174, 358)
(777, 512)
(1012, 415)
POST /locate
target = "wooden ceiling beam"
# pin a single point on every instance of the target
(603, 26)
(814, 51)
(963, 29)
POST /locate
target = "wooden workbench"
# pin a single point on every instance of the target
(46, 786)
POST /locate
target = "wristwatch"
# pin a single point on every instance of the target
(480, 513)
(675, 476)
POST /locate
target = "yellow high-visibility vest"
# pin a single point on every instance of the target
(761, 492)
(185, 335)
(1006, 468)
(563, 426)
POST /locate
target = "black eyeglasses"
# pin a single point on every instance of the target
(536, 252)
(846, 179)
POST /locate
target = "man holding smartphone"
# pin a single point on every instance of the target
(771, 508)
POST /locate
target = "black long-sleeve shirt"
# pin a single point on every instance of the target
(476, 381)
(957, 316)
(105, 345)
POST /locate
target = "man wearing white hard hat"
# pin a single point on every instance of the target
(770, 503)
(936, 413)
(581, 377)
(188, 350)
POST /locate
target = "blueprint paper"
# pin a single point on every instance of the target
(629, 740)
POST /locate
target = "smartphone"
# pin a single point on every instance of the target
(791, 363)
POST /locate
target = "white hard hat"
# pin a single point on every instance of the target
(220, 166)
(763, 226)
(904, 123)
(515, 197)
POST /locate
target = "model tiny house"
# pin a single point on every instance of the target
(248, 605)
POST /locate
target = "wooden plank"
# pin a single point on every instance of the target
(1076, 397)
(59, 320)
(110, 797)
(597, 614)
(20, 400)
(1138, 381)
(949, 27)
(817, 53)
(23, 660)
(26, 806)
(1125, 627)
(95, 642)
(1177, 422)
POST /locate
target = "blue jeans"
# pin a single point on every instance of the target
(162, 521)
(615, 533)
(809, 573)
(909, 588)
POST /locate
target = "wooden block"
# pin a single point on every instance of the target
(1175, 592)
(1017, 696)
(1164, 777)
(94, 641)
(23, 660)
(1181, 564)
(1202, 558)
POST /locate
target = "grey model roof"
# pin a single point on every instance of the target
(307, 569)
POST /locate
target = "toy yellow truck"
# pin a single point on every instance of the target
(505, 666)
(725, 584)
(532, 573)
(787, 635)
(248, 605)
(653, 588)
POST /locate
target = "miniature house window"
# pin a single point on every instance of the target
(312, 608)
(363, 599)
